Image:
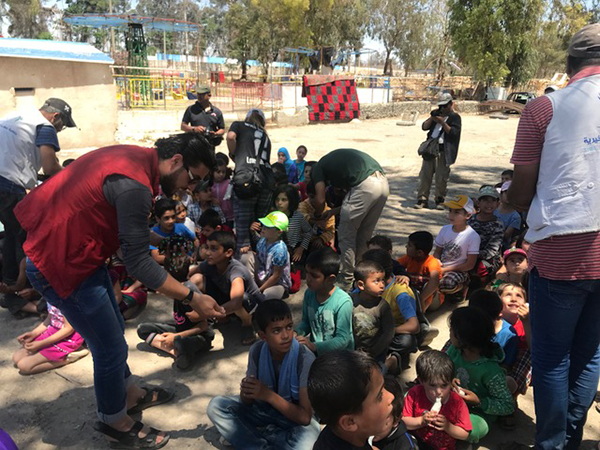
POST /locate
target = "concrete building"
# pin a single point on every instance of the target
(34, 70)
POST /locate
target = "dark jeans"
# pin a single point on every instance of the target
(93, 312)
(565, 321)
(197, 343)
(14, 235)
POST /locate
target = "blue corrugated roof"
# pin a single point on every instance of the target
(122, 21)
(59, 50)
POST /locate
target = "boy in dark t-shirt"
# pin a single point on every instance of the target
(184, 338)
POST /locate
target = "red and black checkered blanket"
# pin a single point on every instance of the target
(334, 98)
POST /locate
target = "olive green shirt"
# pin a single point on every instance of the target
(344, 168)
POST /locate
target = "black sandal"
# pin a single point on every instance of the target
(130, 439)
(147, 401)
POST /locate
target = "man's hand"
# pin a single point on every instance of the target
(199, 129)
(207, 307)
(306, 341)
(253, 389)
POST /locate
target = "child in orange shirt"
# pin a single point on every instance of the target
(424, 270)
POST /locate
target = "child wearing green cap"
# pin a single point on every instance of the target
(272, 271)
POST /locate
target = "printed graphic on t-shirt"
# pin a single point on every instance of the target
(451, 251)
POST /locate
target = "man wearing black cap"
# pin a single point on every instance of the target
(28, 143)
(443, 125)
(204, 118)
(557, 178)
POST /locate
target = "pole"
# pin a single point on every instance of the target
(112, 32)
(165, 44)
(186, 33)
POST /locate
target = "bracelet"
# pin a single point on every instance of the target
(188, 298)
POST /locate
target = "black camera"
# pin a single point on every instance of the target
(436, 112)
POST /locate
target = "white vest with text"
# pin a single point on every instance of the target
(20, 158)
(567, 199)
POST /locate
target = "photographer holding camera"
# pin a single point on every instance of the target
(444, 125)
(204, 118)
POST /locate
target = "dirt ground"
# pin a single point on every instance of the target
(57, 409)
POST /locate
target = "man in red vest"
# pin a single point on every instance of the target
(79, 218)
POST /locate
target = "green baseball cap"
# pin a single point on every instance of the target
(202, 89)
(276, 219)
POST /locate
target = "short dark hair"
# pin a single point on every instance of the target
(422, 240)
(381, 257)
(225, 239)
(279, 173)
(269, 311)
(575, 64)
(163, 205)
(433, 365)
(508, 172)
(331, 389)
(488, 301)
(221, 158)
(365, 268)
(393, 386)
(292, 195)
(66, 162)
(473, 329)
(381, 241)
(309, 164)
(302, 146)
(210, 218)
(220, 162)
(325, 260)
(194, 148)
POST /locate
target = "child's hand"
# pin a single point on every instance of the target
(297, 254)
(33, 346)
(245, 249)
(256, 226)
(168, 340)
(523, 312)
(439, 422)
(25, 337)
(470, 397)
(428, 418)
(306, 341)
(253, 389)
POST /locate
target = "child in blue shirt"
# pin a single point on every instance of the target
(164, 212)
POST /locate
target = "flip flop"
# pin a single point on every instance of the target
(147, 401)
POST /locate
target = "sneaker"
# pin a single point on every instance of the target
(439, 203)
(77, 355)
(429, 335)
(224, 442)
(421, 204)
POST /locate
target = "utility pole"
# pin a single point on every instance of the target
(112, 32)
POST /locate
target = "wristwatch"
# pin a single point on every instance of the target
(188, 298)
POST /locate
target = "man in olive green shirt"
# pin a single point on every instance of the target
(368, 190)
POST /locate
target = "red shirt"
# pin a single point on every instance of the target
(420, 271)
(518, 326)
(455, 410)
(568, 257)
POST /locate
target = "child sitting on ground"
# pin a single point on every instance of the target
(131, 294)
(514, 269)
(164, 213)
(402, 302)
(372, 320)
(509, 217)
(52, 344)
(395, 436)
(432, 411)
(220, 189)
(326, 309)
(299, 232)
(272, 269)
(346, 390)
(424, 270)
(323, 228)
(182, 217)
(481, 382)
(302, 186)
(457, 248)
(491, 231)
(385, 243)
(297, 167)
(204, 200)
(273, 408)
(209, 222)
(228, 281)
(185, 338)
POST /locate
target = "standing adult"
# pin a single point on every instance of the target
(557, 163)
(28, 143)
(204, 118)
(250, 148)
(444, 125)
(367, 192)
(97, 204)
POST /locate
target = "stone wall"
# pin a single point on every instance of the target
(396, 109)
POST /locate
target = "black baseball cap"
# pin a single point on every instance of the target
(63, 108)
(586, 42)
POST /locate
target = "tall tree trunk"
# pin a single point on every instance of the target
(388, 68)
(244, 69)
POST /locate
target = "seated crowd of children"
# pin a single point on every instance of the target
(342, 359)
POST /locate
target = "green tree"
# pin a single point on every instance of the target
(399, 25)
(27, 18)
(240, 18)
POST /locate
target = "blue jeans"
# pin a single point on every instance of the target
(565, 321)
(93, 312)
(259, 426)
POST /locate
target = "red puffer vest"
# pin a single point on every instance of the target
(71, 228)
